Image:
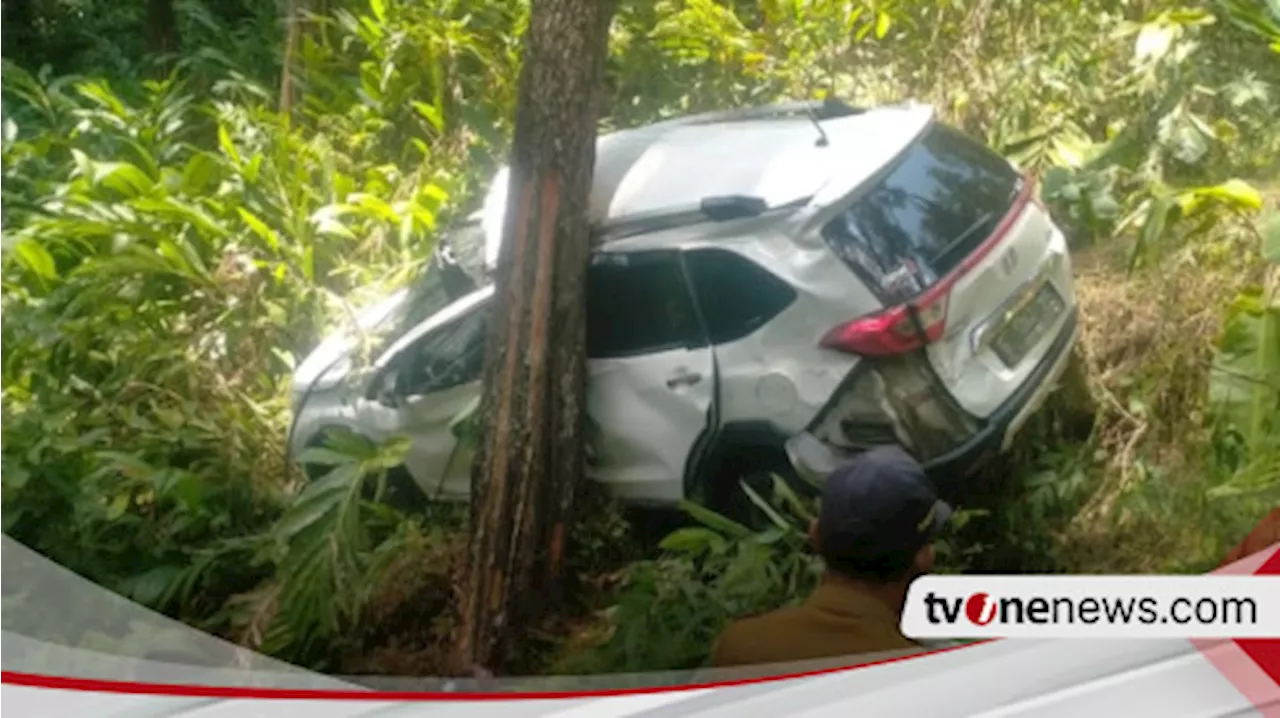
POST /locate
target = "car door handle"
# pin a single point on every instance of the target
(684, 378)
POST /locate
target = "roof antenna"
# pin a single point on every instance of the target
(822, 135)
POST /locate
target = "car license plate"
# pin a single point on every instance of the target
(1027, 324)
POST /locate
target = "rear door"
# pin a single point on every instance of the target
(651, 378)
(949, 214)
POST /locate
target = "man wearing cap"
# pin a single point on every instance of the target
(875, 532)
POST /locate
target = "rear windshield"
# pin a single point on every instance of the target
(940, 200)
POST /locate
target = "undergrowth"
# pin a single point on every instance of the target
(174, 241)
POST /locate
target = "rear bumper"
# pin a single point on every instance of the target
(997, 434)
(814, 460)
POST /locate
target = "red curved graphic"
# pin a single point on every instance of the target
(1252, 665)
(1265, 651)
(36, 680)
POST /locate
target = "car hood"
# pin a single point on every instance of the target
(330, 362)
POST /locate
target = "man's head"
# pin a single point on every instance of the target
(879, 517)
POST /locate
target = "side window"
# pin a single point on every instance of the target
(736, 295)
(639, 303)
(450, 356)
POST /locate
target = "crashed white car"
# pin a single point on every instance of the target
(772, 289)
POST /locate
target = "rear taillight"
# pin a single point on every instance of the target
(895, 330)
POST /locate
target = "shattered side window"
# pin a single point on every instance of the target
(448, 357)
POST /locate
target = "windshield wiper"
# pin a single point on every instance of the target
(951, 246)
(717, 208)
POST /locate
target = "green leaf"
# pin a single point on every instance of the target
(177, 209)
(372, 206)
(14, 476)
(1105, 206)
(1153, 227)
(317, 500)
(260, 228)
(707, 517)
(127, 464)
(1234, 193)
(430, 113)
(125, 178)
(882, 25)
(118, 506)
(321, 456)
(200, 172)
(783, 491)
(764, 506)
(182, 257)
(390, 453)
(228, 147)
(36, 258)
(101, 94)
(692, 540)
(305, 514)
(769, 537)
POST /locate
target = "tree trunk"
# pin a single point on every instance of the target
(294, 10)
(162, 31)
(532, 413)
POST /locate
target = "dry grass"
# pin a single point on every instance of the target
(407, 627)
(1148, 345)
(1147, 339)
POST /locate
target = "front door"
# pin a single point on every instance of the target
(438, 377)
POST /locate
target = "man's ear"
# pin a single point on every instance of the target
(926, 557)
(813, 536)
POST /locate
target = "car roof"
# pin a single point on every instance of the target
(670, 167)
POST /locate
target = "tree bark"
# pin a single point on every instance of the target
(530, 460)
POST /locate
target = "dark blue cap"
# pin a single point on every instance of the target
(879, 504)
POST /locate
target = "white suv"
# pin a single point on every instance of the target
(772, 289)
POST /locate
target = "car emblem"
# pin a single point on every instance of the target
(1009, 262)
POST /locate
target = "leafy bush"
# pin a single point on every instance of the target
(669, 610)
(172, 244)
